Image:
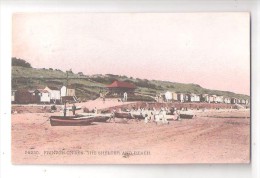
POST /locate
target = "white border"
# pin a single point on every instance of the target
(192, 171)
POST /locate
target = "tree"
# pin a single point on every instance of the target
(20, 62)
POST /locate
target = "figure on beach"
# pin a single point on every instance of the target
(125, 97)
(74, 109)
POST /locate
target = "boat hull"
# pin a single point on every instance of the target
(70, 121)
(123, 115)
(186, 116)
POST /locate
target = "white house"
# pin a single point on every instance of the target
(55, 94)
(42, 96)
(168, 96)
(70, 91)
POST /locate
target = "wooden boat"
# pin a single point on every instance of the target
(138, 116)
(186, 116)
(126, 115)
(96, 117)
(70, 121)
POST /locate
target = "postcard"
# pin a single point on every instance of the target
(130, 88)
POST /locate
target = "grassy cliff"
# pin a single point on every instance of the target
(88, 87)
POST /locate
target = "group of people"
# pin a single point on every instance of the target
(153, 115)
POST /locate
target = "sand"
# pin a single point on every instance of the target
(205, 139)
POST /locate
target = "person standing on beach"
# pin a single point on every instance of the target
(125, 96)
(74, 109)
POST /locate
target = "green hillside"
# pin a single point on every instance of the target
(88, 87)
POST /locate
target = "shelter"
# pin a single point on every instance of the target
(119, 87)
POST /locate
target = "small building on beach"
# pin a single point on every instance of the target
(180, 97)
(234, 100)
(119, 87)
(227, 100)
(195, 98)
(41, 96)
(23, 96)
(55, 94)
(219, 99)
(68, 94)
(204, 98)
(13, 95)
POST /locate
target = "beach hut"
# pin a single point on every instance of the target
(168, 96)
(234, 100)
(204, 98)
(67, 91)
(41, 96)
(23, 96)
(220, 99)
(180, 97)
(174, 96)
(212, 98)
(195, 98)
(55, 94)
(187, 97)
(13, 96)
(227, 100)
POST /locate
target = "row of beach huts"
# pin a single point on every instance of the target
(182, 97)
(44, 95)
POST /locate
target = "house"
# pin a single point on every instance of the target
(13, 96)
(55, 94)
(227, 100)
(23, 96)
(41, 96)
(119, 87)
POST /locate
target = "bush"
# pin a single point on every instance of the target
(20, 62)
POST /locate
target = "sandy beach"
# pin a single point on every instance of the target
(221, 136)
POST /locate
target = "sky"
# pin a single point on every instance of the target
(209, 49)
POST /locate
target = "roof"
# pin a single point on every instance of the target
(42, 91)
(119, 84)
(53, 88)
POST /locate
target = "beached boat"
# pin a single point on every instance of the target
(138, 116)
(97, 117)
(70, 121)
(186, 116)
(126, 115)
